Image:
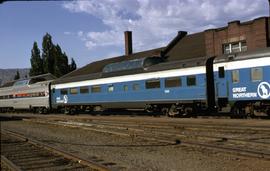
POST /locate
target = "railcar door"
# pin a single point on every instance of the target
(221, 83)
(222, 87)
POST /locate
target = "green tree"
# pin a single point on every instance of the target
(72, 66)
(48, 54)
(17, 76)
(53, 59)
(36, 61)
(61, 62)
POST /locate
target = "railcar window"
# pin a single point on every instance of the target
(173, 82)
(136, 87)
(221, 72)
(125, 87)
(96, 89)
(110, 88)
(63, 91)
(256, 74)
(73, 91)
(191, 80)
(235, 76)
(84, 90)
(150, 84)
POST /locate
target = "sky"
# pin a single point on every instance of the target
(91, 30)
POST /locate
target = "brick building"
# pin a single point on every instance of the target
(237, 37)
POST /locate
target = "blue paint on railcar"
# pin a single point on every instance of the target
(183, 92)
(245, 88)
(221, 85)
(248, 89)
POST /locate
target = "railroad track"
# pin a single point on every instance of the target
(237, 146)
(22, 153)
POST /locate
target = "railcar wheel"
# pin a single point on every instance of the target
(45, 110)
(268, 111)
(238, 111)
(173, 111)
(40, 110)
(188, 111)
(249, 110)
(165, 111)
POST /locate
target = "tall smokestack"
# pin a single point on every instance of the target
(128, 42)
(269, 7)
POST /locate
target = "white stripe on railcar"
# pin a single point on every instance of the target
(135, 77)
(249, 63)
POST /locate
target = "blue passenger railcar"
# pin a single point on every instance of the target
(243, 81)
(153, 90)
(240, 82)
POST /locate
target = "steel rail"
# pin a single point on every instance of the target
(80, 160)
(160, 137)
(11, 166)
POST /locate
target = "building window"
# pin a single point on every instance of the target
(256, 74)
(73, 91)
(63, 91)
(221, 72)
(235, 76)
(173, 82)
(125, 87)
(110, 88)
(150, 84)
(243, 46)
(84, 90)
(96, 89)
(191, 80)
(135, 87)
(234, 47)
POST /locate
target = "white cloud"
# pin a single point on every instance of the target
(80, 33)
(106, 38)
(67, 33)
(155, 22)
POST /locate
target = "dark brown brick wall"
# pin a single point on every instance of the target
(255, 33)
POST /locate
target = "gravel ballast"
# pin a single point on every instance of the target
(129, 153)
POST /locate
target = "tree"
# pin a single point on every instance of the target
(61, 62)
(72, 66)
(36, 61)
(53, 60)
(48, 54)
(65, 66)
(17, 76)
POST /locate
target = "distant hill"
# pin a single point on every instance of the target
(7, 75)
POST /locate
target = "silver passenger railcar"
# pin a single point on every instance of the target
(28, 94)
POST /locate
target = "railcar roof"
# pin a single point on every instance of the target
(159, 67)
(191, 46)
(31, 80)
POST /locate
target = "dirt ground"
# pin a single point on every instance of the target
(136, 154)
